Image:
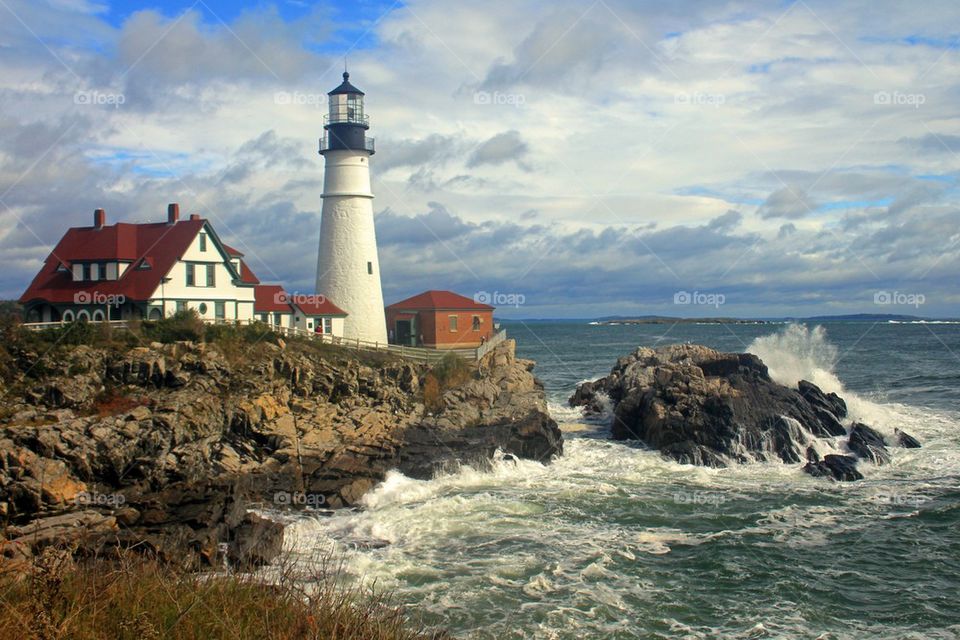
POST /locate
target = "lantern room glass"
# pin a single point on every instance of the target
(346, 108)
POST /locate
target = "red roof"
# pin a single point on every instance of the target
(316, 305)
(440, 300)
(233, 253)
(157, 245)
(269, 298)
(246, 275)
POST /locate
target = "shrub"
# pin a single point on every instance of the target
(432, 395)
(452, 371)
(183, 325)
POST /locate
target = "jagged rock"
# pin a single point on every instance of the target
(843, 468)
(207, 438)
(829, 408)
(700, 406)
(867, 443)
(906, 440)
(256, 541)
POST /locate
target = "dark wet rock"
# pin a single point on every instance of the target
(906, 440)
(828, 407)
(843, 468)
(867, 443)
(701, 406)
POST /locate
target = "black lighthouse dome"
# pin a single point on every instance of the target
(345, 87)
(346, 123)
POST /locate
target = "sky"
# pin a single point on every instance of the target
(561, 159)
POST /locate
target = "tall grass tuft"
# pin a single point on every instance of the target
(136, 598)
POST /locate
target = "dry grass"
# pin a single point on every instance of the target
(139, 599)
(451, 372)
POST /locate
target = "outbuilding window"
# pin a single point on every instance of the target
(453, 323)
(476, 323)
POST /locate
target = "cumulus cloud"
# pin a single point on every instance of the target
(503, 147)
(788, 202)
(619, 107)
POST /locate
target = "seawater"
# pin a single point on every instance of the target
(614, 541)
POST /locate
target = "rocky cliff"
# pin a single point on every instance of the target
(166, 447)
(700, 406)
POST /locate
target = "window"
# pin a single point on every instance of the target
(453, 323)
(276, 318)
(181, 306)
(370, 268)
(191, 274)
(203, 242)
(263, 317)
(102, 270)
(476, 323)
(86, 271)
(211, 275)
(220, 310)
(202, 308)
(328, 325)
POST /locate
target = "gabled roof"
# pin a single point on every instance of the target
(246, 274)
(316, 306)
(270, 298)
(233, 253)
(159, 245)
(433, 299)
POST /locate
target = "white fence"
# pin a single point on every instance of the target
(418, 354)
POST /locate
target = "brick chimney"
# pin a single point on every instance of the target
(99, 218)
(194, 216)
(173, 213)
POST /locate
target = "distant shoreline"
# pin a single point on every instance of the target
(680, 321)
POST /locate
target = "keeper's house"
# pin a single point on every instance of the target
(152, 270)
(440, 320)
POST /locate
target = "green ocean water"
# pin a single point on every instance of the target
(613, 541)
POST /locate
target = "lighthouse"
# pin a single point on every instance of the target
(348, 271)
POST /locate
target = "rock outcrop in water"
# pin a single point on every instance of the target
(701, 406)
(166, 447)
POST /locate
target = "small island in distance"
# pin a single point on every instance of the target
(857, 317)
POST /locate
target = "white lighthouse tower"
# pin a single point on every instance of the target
(348, 271)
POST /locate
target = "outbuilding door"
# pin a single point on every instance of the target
(404, 332)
